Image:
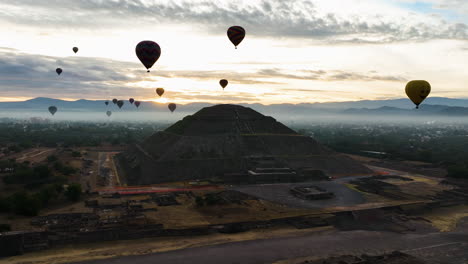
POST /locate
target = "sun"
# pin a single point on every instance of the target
(161, 100)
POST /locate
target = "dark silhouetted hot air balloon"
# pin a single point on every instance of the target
(58, 71)
(109, 113)
(114, 100)
(223, 83)
(131, 100)
(236, 34)
(53, 109)
(417, 91)
(120, 103)
(160, 91)
(172, 107)
(75, 49)
(106, 102)
(137, 104)
(148, 52)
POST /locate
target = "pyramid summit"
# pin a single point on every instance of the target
(231, 143)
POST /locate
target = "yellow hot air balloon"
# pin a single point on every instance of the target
(417, 91)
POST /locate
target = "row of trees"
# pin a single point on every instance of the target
(29, 204)
(15, 137)
(441, 144)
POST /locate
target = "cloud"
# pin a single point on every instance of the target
(34, 75)
(332, 75)
(273, 18)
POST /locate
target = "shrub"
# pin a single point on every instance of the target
(5, 227)
(457, 171)
(73, 192)
(24, 204)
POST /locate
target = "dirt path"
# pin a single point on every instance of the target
(35, 155)
(433, 247)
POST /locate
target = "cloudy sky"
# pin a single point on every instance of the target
(294, 51)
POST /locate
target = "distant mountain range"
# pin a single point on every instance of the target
(433, 105)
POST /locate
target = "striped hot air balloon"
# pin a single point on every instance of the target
(236, 34)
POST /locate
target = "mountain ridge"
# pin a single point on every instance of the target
(434, 105)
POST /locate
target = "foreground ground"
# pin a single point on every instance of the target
(439, 235)
(433, 248)
(445, 242)
(288, 247)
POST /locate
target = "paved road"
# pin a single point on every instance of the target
(434, 247)
(280, 193)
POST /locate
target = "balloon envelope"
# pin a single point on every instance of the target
(236, 34)
(131, 100)
(172, 107)
(160, 91)
(223, 83)
(52, 109)
(148, 52)
(106, 102)
(120, 103)
(417, 91)
(108, 113)
(114, 101)
(75, 49)
(58, 71)
(137, 104)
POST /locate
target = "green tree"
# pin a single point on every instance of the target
(457, 171)
(52, 158)
(25, 204)
(5, 227)
(199, 201)
(73, 192)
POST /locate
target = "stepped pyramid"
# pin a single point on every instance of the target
(228, 142)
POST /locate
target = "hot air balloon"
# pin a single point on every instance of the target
(114, 100)
(236, 34)
(137, 103)
(417, 91)
(131, 100)
(58, 71)
(75, 49)
(223, 83)
(160, 91)
(148, 52)
(172, 107)
(52, 109)
(120, 103)
(109, 113)
(106, 102)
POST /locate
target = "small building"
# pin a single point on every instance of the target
(311, 193)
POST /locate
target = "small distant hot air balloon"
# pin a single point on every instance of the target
(137, 104)
(53, 109)
(417, 91)
(148, 52)
(160, 91)
(58, 71)
(114, 100)
(106, 102)
(120, 103)
(172, 107)
(131, 100)
(223, 83)
(236, 34)
(109, 113)
(75, 49)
